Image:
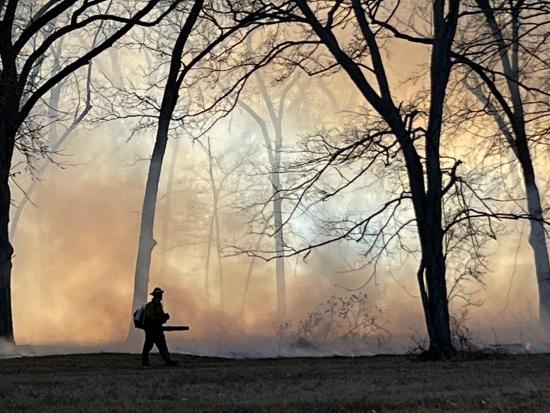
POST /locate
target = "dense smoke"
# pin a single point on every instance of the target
(74, 285)
(76, 245)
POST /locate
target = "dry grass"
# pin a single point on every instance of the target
(116, 383)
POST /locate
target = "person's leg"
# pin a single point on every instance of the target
(160, 341)
(147, 347)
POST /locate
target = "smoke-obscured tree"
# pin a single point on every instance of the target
(184, 207)
(59, 118)
(342, 36)
(504, 50)
(204, 76)
(165, 112)
(272, 133)
(29, 32)
(276, 106)
(214, 227)
(225, 169)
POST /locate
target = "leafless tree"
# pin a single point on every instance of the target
(343, 35)
(220, 173)
(273, 142)
(504, 55)
(204, 47)
(169, 100)
(502, 58)
(57, 140)
(28, 33)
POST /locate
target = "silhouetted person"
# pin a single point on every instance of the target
(155, 317)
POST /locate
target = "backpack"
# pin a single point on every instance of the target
(139, 317)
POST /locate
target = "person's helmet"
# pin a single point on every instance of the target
(157, 291)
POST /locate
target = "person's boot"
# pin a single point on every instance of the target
(172, 363)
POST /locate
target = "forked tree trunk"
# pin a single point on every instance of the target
(432, 274)
(53, 108)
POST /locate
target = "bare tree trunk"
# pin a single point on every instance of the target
(431, 235)
(9, 124)
(510, 60)
(6, 251)
(207, 262)
(146, 239)
(220, 263)
(438, 305)
(168, 202)
(168, 105)
(41, 169)
(516, 138)
(251, 268)
(274, 156)
(537, 236)
(279, 250)
(275, 160)
(421, 274)
(53, 107)
(537, 240)
(278, 224)
(7, 142)
(216, 223)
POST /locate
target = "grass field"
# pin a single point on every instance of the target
(116, 383)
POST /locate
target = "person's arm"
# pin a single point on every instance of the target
(162, 317)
